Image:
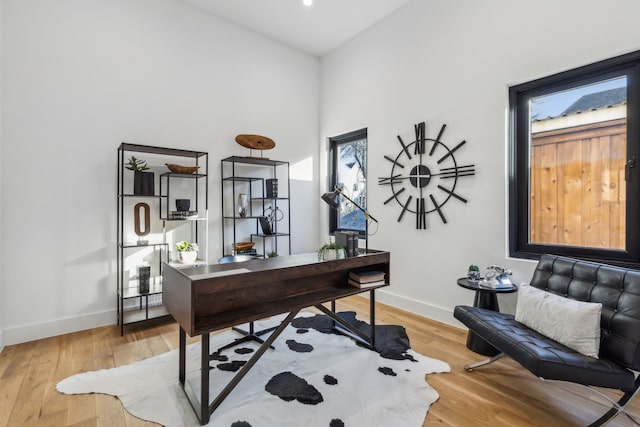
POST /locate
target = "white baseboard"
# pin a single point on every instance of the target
(36, 331)
(20, 334)
(420, 308)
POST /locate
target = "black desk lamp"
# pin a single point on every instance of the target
(333, 199)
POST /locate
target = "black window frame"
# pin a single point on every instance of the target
(518, 173)
(334, 142)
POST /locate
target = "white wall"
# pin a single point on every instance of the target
(1, 209)
(452, 62)
(82, 76)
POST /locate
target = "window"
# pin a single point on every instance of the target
(574, 173)
(348, 157)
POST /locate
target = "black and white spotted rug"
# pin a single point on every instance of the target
(313, 377)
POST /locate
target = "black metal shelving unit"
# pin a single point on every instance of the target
(248, 175)
(132, 304)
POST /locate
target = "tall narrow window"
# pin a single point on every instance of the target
(574, 177)
(348, 155)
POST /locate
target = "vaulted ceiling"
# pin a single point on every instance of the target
(317, 29)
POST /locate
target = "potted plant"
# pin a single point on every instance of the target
(143, 182)
(272, 254)
(473, 272)
(187, 252)
(331, 251)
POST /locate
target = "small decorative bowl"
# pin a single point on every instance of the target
(243, 246)
(182, 169)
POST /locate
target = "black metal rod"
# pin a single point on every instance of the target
(372, 316)
(349, 327)
(204, 380)
(245, 369)
(182, 360)
(366, 212)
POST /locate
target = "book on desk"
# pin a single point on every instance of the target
(365, 279)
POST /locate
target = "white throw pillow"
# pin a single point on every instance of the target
(575, 324)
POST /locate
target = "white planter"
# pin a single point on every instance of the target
(187, 257)
(331, 254)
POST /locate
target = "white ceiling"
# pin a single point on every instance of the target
(317, 29)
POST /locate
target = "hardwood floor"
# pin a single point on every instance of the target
(501, 394)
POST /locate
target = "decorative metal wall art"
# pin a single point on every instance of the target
(424, 175)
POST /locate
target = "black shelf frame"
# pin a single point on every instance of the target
(149, 305)
(256, 198)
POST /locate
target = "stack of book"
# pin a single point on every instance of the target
(251, 252)
(349, 240)
(366, 279)
(183, 214)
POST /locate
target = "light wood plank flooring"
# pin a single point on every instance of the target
(501, 394)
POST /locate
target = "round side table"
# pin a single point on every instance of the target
(487, 298)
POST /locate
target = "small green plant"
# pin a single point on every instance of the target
(473, 273)
(272, 254)
(185, 246)
(137, 165)
(333, 246)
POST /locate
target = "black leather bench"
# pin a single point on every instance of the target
(618, 289)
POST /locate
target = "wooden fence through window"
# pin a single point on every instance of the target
(578, 189)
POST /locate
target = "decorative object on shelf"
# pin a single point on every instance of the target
(181, 215)
(138, 210)
(255, 142)
(243, 202)
(144, 276)
(143, 181)
(183, 205)
(333, 200)
(272, 254)
(182, 169)
(187, 252)
(433, 175)
(273, 215)
(271, 187)
(265, 225)
(331, 251)
(243, 246)
(473, 273)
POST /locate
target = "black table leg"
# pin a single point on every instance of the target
(488, 300)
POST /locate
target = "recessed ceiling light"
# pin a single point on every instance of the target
(307, 2)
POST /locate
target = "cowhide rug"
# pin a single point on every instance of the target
(313, 377)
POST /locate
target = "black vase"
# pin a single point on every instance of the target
(143, 184)
(272, 188)
(144, 274)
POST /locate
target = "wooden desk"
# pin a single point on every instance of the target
(212, 297)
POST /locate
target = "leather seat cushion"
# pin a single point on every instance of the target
(543, 356)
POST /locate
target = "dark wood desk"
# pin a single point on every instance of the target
(212, 297)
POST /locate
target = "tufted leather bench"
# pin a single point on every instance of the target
(618, 289)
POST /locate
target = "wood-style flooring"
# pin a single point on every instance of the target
(500, 394)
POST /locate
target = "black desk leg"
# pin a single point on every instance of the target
(372, 316)
(204, 380)
(182, 356)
